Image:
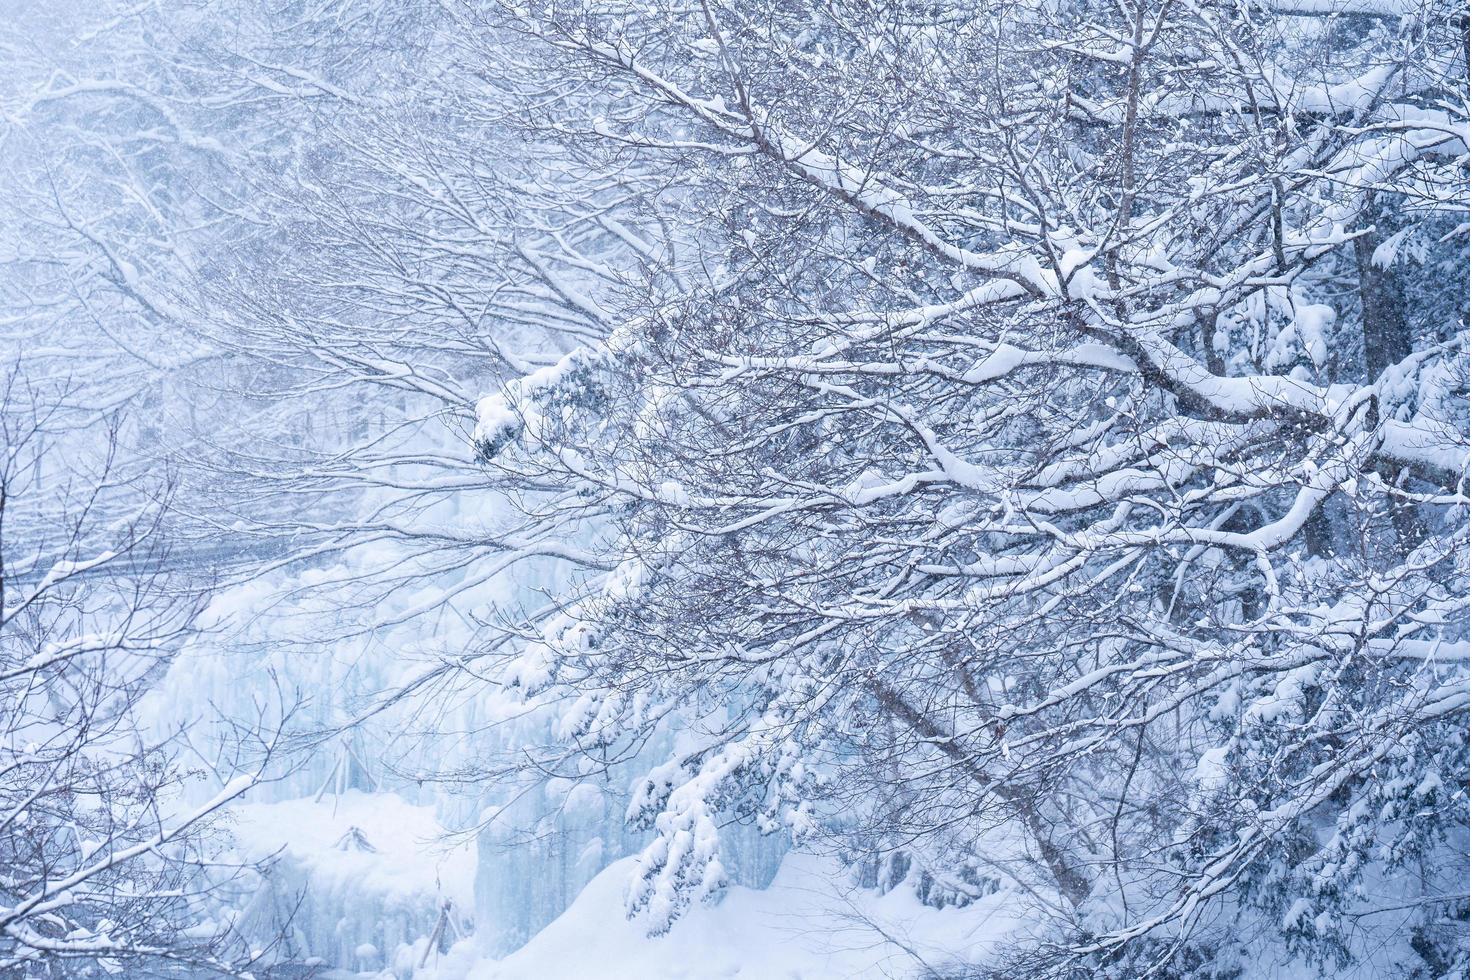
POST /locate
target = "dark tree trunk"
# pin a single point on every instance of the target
(1386, 339)
(1386, 335)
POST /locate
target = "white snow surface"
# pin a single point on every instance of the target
(362, 879)
(810, 924)
(409, 858)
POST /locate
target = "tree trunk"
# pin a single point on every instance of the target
(1386, 335)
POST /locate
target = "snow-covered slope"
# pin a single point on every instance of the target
(360, 880)
(810, 924)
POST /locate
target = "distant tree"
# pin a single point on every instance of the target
(102, 866)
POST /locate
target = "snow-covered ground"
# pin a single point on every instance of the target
(810, 924)
(365, 878)
(359, 878)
